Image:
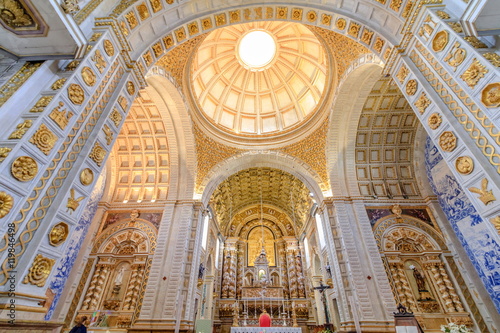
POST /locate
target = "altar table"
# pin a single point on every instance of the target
(275, 329)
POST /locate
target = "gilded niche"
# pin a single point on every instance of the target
(58, 234)
(39, 271)
(20, 18)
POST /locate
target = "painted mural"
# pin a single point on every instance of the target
(376, 213)
(63, 270)
(476, 236)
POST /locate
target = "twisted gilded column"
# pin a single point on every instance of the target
(284, 269)
(292, 277)
(451, 290)
(443, 290)
(96, 287)
(133, 287)
(225, 274)
(402, 287)
(300, 275)
(240, 276)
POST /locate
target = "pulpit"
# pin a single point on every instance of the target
(264, 319)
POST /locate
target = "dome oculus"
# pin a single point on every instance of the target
(257, 49)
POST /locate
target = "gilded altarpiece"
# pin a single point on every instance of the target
(414, 254)
(122, 256)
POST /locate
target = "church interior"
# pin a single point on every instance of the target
(199, 165)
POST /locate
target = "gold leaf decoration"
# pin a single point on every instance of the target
(440, 41)
(474, 73)
(403, 73)
(434, 120)
(395, 5)
(130, 88)
(475, 42)
(76, 94)
(99, 61)
(297, 14)
(98, 154)
(109, 48)
(88, 76)
(116, 117)
(180, 34)
(354, 29)
(86, 176)
(448, 141)
(485, 195)
(39, 271)
(490, 96)
(61, 117)
(494, 58)
(58, 234)
(44, 139)
(312, 16)
(443, 15)
(41, 104)
(58, 84)
(73, 202)
(108, 134)
(24, 168)
(340, 24)
(464, 165)
(21, 129)
(156, 5)
(326, 19)
(411, 87)
(4, 152)
(6, 203)
(422, 103)
(456, 56)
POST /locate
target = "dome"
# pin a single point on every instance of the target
(259, 79)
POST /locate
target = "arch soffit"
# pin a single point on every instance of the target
(143, 227)
(389, 224)
(271, 215)
(344, 120)
(374, 25)
(252, 159)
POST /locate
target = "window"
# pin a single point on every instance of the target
(321, 233)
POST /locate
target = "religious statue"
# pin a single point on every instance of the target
(201, 271)
(118, 280)
(134, 215)
(419, 278)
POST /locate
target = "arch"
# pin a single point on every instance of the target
(142, 227)
(272, 159)
(387, 224)
(344, 119)
(379, 33)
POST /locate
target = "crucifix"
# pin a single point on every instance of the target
(321, 288)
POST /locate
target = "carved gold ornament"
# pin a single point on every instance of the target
(297, 14)
(116, 117)
(395, 5)
(58, 84)
(456, 56)
(169, 40)
(88, 76)
(443, 15)
(4, 152)
(354, 29)
(281, 13)
(464, 165)
(490, 95)
(411, 87)
(378, 45)
(21, 129)
(6, 203)
(434, 120)
(70, 6)
(131, 19)
(73, 202)
(108, 133)
(475, 42)
(206, 24)
(193, 30)
(148, 58)
(86, 176)
(16, 17)
(76, 94)
(99, 61)
(58, 234)
(494, 58)
(440, 41)
(422, 103)
(448, 141)
(130, 88)
(474, 73)
(44, 139)
(496, 223)
(39, 271)
(485, 195)
(220, 19)
(366, 37)
(340, 24)
(327, 20)
(61, 117)
(95, 37)
(98, 154)
(24, 168)
(312, 16)
(456, 26)
(403, 73)
(156, 5)
(143, 11)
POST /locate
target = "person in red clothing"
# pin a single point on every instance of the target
(80, 327)
(264, 319)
